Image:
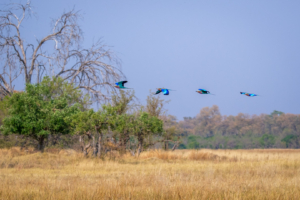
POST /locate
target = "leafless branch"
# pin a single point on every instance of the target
(94, 69)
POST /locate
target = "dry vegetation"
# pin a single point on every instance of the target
(204, 174)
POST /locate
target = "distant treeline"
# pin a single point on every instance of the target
(209, 129)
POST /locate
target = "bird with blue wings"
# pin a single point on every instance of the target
(163, 90)
(120, 85)
(202, 91)
(249, 94)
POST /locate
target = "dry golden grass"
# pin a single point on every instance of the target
(183, 174)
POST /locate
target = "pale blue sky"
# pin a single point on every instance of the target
(222, 46)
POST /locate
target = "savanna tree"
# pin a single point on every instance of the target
(171, 132)
(125, 101)
(145, 127)
(93, 70)
(92, 124)
(124, 128)
(155, 107)
(38, 112)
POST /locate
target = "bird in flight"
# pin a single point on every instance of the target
(120, 85)
(202, 91)
(249, 94)
(163, 90)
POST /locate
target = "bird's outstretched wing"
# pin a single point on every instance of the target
(165, 91)
(121, 83)
(157, 92)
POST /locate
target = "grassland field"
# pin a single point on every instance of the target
(182, 174)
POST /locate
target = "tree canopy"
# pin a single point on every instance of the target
(40, 111)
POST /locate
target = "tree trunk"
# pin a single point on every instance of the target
(41, 144)
(140, 147)
(81, 143)
(132, 152)
(83, 146)
(89, 144)
(85, 150)
(94, 146)
(175, 146)
(167, 145)
(99, 144)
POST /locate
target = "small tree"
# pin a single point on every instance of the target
(124, 101)
(82, 124)
(92, 124)
(146, 126)
(36, 113)
(124, 127)
(170, 133)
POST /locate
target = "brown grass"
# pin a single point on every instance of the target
(183, 174)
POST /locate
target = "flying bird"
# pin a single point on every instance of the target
(163, 90)
(202, 91)
(120, 85)
(249, 94)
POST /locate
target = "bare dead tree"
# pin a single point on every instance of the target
(93, 69)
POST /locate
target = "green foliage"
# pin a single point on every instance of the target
(192, 142)
(58, 88)
(182, 146)
(123, 101)
(82, 122)
(40, 111)
(124, 129)
(124, 124)
(3, 108)
(267, 140)
(146, 126)
(89, 120)
(277, 113)
(289, 139)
